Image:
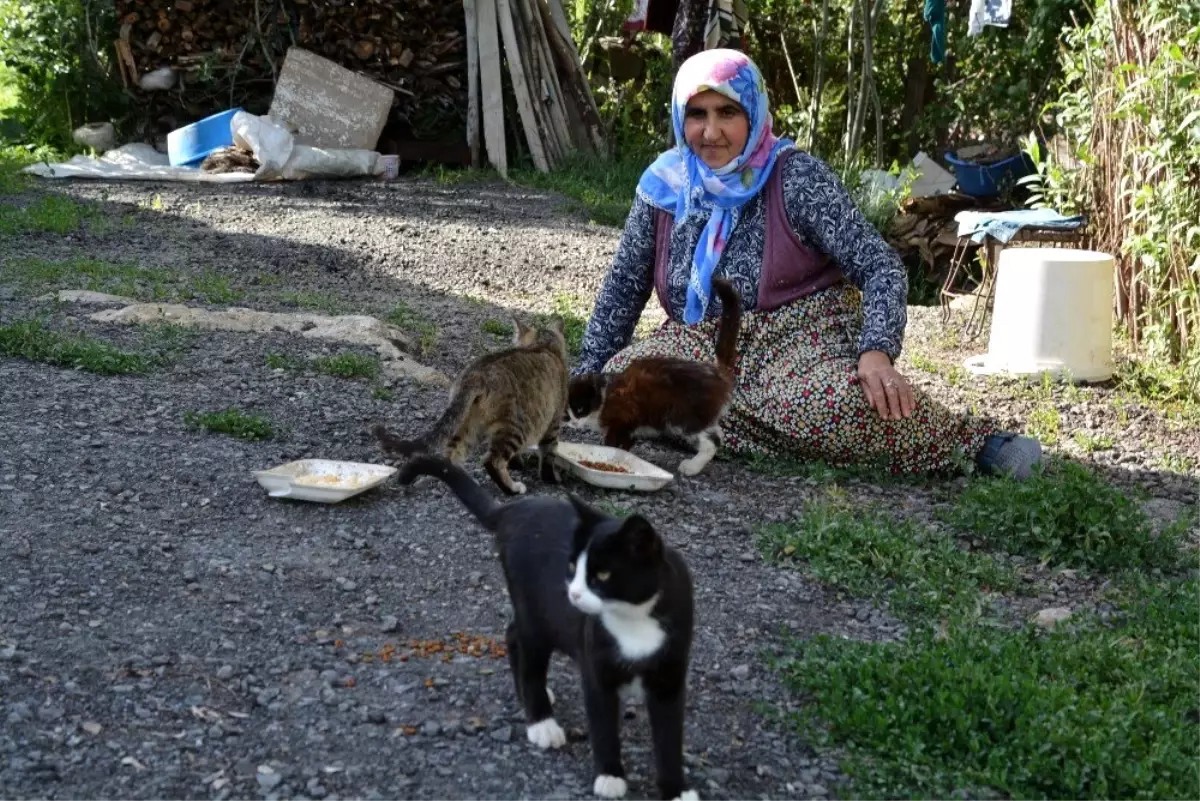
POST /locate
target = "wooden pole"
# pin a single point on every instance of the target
(472, 80)
(490, 86)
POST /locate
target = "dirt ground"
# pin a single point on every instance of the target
(168, 630)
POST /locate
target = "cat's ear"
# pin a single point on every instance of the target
(641, 540)
(589, 518)
(556, 322)
(522, 334)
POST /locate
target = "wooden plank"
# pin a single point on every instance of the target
(559, 35)
(491, 91)
(327, 105)
(516, 71)
(472, 81)
(548, 75)
(555, 146)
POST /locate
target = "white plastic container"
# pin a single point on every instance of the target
(638, 474)
(322, 480)
(1053, 313)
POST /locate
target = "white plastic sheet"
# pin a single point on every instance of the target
(278, 155)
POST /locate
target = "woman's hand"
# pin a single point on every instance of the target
(885, 388)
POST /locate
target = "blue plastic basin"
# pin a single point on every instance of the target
(985, 180)
(191, 144)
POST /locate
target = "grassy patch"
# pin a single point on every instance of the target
(348, 365)
(165, 343)
(53, 214)
(233, 422)
(280, 361)
(383, 394)
(1091, 711)
(317, 301)
(574, 324)
(128, 280)
(1044, 424)
(921, 572)
(1090, 443)
(29, 339)
(1161, 384)
(602, 188)
(420, 327)
(14, 158)
(212, 287)
(497, 328)
(1065, 515)
(924, 363)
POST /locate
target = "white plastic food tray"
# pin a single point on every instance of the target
(322, 480)
(641, 476)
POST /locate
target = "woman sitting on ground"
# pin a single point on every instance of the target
(816, 378)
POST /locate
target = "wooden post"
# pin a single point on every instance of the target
(516, 70)
(472, 80)
(490, 86)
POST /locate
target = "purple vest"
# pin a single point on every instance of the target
(789, 269)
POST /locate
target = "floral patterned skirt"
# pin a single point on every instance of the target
(798, 394)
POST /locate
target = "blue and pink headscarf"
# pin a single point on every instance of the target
(679, 182)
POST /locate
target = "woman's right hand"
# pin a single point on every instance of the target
(886, 389)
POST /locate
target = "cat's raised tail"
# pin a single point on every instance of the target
(443, 431)
(473, 496)
(731, 324)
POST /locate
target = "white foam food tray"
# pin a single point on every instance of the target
(322, 480)
(639, 474)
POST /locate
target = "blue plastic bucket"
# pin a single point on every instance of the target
(985, 180)
(191, 144)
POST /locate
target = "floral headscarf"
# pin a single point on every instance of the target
(679, 182)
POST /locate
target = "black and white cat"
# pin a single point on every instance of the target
(607, 592)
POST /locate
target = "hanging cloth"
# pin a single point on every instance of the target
(935, 15)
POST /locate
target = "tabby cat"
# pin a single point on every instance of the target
(663, 395)
(515, 398)
(607, 592)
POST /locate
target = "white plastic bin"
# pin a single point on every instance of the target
(1053, 312)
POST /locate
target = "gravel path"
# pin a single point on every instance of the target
(167, 630)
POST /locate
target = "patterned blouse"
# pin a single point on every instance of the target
(824, 218)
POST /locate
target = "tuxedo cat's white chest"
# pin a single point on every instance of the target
(638, 634)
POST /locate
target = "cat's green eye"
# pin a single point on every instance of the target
(603, 576)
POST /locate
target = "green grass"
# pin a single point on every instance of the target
(1087, 711)
(212, 287)
(1090, 443)
(383, 394)
(53, 214)
(574, 323)
(603, 189)
(413, 322)
(279, 361)
(348, 365)
(31, 340)
(14, 158)
(35, 276)
(1065, 516)
(919, 571)
(497, 328)
(974, 702)
(924, 363)
(233, 422)
(1044, 424)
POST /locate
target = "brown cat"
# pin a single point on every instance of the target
(514, 397)
(659, 395)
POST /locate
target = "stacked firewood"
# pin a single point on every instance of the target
(420, 48)
(925, 233)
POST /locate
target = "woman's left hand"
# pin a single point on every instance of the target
(887, 391)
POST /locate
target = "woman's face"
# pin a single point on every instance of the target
(715, 128)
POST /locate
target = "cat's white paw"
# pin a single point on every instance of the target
(609, 787)
(689, 467)
(688, 795)
(518, 487)
(547, 734)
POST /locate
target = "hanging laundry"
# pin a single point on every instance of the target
(988, 12)
(935, 15)
(726, 25)
(656, 16)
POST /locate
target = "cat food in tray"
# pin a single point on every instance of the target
(611, 468)
(322, 480)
